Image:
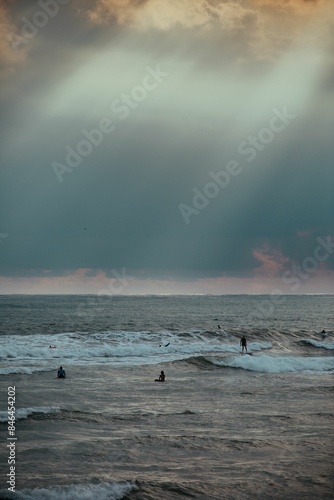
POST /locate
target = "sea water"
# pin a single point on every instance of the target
(223, 425)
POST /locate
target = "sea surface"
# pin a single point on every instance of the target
(222, 426)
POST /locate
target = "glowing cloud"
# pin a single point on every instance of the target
(164, 15)
(8, 57)
(259, 30)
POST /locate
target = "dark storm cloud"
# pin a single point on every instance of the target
(120, 206)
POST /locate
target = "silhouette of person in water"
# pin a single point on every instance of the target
(61, 373)
(243, 344)
(161, 377)
(323, 334)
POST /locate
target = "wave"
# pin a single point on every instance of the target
(275, 364)
(22, 413)
(200, 362)
(103, 491)
(317, 343)
(21, 354)
(24, 370)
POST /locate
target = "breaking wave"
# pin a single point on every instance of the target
(22, 413)
(317, 343)
(33, 353)
(103, 491)
(275, 364)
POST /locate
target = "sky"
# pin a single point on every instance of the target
(166, 147)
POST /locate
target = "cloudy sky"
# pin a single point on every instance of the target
(167, 146)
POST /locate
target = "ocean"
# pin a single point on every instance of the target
(222, 426)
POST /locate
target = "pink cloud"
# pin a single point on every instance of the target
(78, 282)
(272, 262)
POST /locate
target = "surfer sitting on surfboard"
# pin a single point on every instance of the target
(243, 343)
(61, 373)
(161, 377)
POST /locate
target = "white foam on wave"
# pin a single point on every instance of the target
(102, 491)
(21, 413)
(126, 348)
(277, 364)
(25, 370)
(317, 343)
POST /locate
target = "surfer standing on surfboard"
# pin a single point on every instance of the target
(243, 344)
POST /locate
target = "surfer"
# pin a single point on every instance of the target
(161, 377)
(324, 334)
(243, 344)
(61, 373)
(218, 327)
